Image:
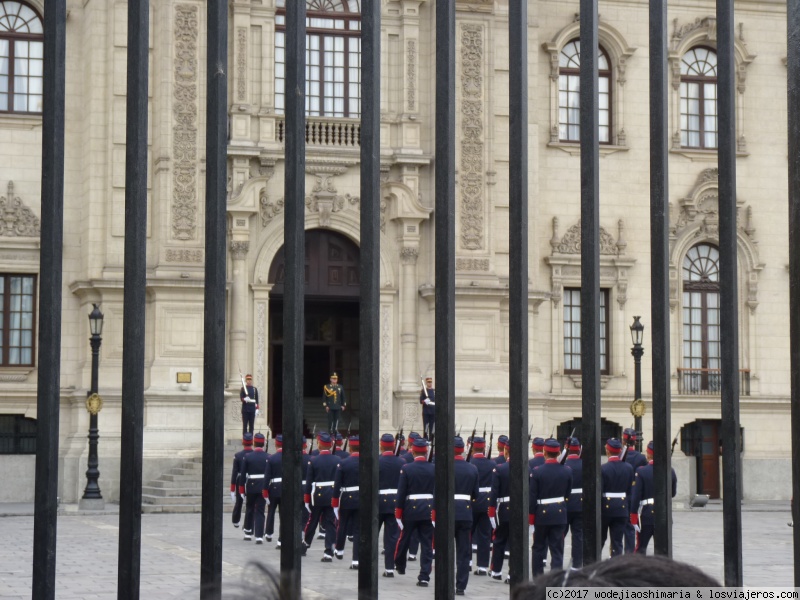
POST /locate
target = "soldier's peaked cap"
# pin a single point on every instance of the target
(458, 442)
(324, 438)
(503, 439)
(478, 441)
(552, 445)
(279, 438)
(259, 438)
(414, 435)
(628, 433)
(247, 439)
(650, 446)
(575, 444)
(538, 442)
(339, 437)
(614, 445)
(353, 440)
(334, 375)
(420, 443)
(387, 439)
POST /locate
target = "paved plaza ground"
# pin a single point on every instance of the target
(87, 555)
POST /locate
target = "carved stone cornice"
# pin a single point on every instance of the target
(16, 219)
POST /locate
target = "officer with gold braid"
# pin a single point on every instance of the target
(334, 402)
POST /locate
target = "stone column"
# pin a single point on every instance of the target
(408, 318)
(238, 334)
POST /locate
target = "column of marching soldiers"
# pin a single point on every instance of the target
(482, 500)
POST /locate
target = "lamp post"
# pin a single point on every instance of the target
(92, 499)
(637, 406)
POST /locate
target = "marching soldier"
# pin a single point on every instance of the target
(481, 527)
(338, 451)
(502, 442)
(248, 394)
(642, 500)
(466, 490)
(251, 484)
(306, 462)
(389, 467)
(317, 496)
(236, 497)
(273, 486)
(334, 402)
(500, 513)
(575, 504)
(427, 398)
(413, 546)
(538, 454)
(345, 502)
(617, 479)
(636, 460)
(550, 487)
(408, 454)
(414, 510)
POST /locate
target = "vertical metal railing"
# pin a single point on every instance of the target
(293, 300)
(729, 303)
(369, 319)
(659, 274)
(214, 296)
(518, 285)
(590, 278)
(445, 262)
(793, 109)
(48, 401)
(135, 280)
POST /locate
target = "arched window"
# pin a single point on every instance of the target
(701, 347)
(333, 58)
(699, 98)
(569, 64)
(21, 58)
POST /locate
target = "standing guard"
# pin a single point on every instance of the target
(481, 527)
(389, 467)
(500, 513)
(273, 486)
(550, 488)
(575, 504)
(248, 394)
(252, 485)
(643, 501)
(466, 490)
(345, 502)
(636, 460)
(236, 497)
(538, 454)
(502, 442)
(617, 479)
(427, 398)
(334, 402)
(415, 512)
(318, 494)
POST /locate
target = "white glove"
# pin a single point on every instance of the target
(244, 496)
(266, 500)
(637, 528)
(434, 524)
(427, 402)
(233, 497)
(531, 529)
(336, 512)
(308, 507)
(400, 524)
(247, 399)
(493, 521)
(258, 412)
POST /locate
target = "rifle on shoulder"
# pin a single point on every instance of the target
(491, 439)
(472, 439)
(397, 437)
(347, 439)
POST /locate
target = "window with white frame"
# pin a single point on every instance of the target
(701, 320)
(17, 320)
(699, 98)
(21, 58)
(569, 64)
(333, 58)
(572, 330)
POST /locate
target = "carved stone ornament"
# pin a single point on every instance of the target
(571, 242)
(386, 361)
(472, 169)
(94, 404)
(409, 255)
(241, 64)
(184, 130)
(239, 250)
(411, 75)
(184, 255)
(269, 208)
(16, 219)
(472, 264)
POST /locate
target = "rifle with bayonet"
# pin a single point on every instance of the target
(675, 441)
(491, 439)
(266, 445)
(472, 439)
(430, 445)
(530, 434)
(624, 448)
(347, 439)
(397, 437)
(247, 397)
(313, 437)
(563, 458)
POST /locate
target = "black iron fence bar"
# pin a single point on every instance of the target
(518, 285)
(659, 275)
(590, 278)
(793, 79)
(214, 295)
(50, 258)
(369, 321)
(445, 311)
(708, 382)
(293, 305)
(729, 309)
(131, 438)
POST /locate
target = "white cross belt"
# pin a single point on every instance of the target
(577, 491)
(614, 495)
(647, 501)
(276, 480)
(255, 476)
(421, 497)
(466, 497)
(550, 500)
(485, 490)
(387, 491)
(350, 489)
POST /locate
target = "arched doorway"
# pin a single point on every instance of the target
(331, 328)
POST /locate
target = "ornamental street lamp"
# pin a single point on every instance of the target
(92, 499)
(637, 406)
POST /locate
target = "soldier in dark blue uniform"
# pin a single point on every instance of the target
(427, 398)
(500, 512)
(502, 442)
(550, 488)
(317, 496)
(389, 467)
(642, 499)
(306, 462)
(481, 527)
(466, 490)
(538, 454)
(273, 486)
(345, 502)
(338, 450)
(251, 484)
(413, 546)
(236, 497)
(636, 460)
(248, 394)
(575, 504)
(414, 510)
(617, 479)
(408, 454)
